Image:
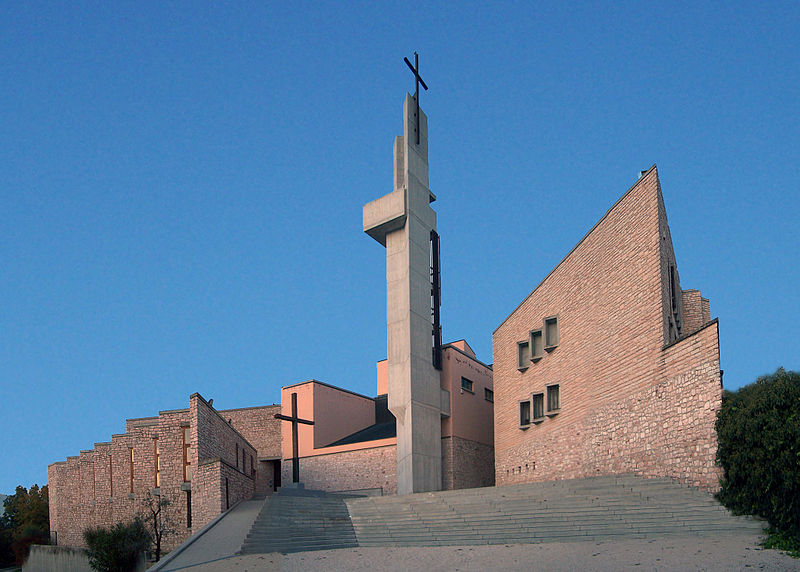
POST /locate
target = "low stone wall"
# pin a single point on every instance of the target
(62, 559)
(374, 468)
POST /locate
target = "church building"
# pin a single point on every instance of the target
(609, 366)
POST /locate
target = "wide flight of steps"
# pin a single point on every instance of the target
(300, 521)
(597, 508)
(600, 508)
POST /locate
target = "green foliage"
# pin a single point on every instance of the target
(783, 541)
(117, 549)
(26, 521)
(759, 449)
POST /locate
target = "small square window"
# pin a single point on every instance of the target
(489, 395)
(524, 413)
(467, 385)
(551, 333)
(538, 406)
(537, 345)
(523, 355)
(553, 400)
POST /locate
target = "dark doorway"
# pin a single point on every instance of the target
(276, 474)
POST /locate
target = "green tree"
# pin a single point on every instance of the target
(759, 450)
(26, 520)
(118, 548)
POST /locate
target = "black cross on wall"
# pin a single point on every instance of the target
(295, 453)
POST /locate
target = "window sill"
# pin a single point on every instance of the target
(463, 389)
(550, 348)
(537, 420)
(522, 367)
(534, 359)
(553, 413)
(524, 427)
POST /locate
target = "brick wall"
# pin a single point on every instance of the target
(101, 486)
(611, 364)
(222, 455)
(696, 311)
(217, 486)
(360, 469)
(94, 489)
(466, 464)
(259, 426)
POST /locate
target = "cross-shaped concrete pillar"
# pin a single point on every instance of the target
(402, 221)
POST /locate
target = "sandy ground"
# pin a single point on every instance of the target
(731, 552)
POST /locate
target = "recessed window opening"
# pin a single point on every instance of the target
(551, 333)
(523, 355)
(488, 395)
(553, 401)
(538, 406)
(467, 385)
(537, 345)
(187, 456)
(524, 413)
(157, 462)
(130, 459)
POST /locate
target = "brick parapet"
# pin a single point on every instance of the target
(693, 311)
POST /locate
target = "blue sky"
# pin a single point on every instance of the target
(181, 186)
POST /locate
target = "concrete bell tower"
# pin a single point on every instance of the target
(403, 222)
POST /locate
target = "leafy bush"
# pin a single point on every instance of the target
(117, 549)
(759, 449)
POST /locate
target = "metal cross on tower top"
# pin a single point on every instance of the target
(417, 81)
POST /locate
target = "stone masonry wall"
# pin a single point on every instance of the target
(217, 486)
(693, 310)
(466, 464)
(101, 486)
(259, 426)
(222, 453)
(351, 470)
(654, 433)
(627, 402)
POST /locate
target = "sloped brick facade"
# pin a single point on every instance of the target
(636, 363)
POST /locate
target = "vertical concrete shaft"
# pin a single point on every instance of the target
(402, 221)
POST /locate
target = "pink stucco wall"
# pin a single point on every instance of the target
(471, 414)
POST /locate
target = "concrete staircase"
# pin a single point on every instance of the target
(600, 508)
(300, 521)
(617, 507)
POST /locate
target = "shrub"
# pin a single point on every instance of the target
(759, 450)
(117, 549)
